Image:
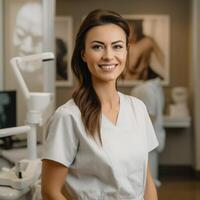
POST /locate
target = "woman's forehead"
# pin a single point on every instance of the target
(107, 32)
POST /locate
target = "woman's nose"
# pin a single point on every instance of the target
(108, 54)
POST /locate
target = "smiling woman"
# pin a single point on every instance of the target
(104, 54)
(98, 142)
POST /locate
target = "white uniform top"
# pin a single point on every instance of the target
(114, 171)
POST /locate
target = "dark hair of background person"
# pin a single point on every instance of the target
(85, 96)
(61, 64)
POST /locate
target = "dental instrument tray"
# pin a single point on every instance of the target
(22, 175)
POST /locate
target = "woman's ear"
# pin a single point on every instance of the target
(83, 55)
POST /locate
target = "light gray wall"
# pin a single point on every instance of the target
(179, 150)
(1, 45)
(195, 80)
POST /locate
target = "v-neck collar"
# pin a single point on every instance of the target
(118, 115)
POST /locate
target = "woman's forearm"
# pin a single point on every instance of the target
(150, 193)
(150, 189)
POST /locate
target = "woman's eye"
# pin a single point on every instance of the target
(117, 47)
(97, 47)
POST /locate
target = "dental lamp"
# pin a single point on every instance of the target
(39, 104)
(39, 109)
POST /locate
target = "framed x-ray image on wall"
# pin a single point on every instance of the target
(149, 50)
(63, 50)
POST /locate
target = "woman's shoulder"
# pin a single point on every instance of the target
(147, 42)
(69, 108)
(133, 100)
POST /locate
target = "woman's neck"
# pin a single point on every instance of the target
(107, 93)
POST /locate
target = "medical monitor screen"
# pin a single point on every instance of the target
(7, 109)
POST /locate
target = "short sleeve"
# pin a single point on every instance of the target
(62, 142)
(152, 141)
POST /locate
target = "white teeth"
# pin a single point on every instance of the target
(109, 67)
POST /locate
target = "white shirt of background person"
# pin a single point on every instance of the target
(151, 93)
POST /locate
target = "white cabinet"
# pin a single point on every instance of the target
(177, 122)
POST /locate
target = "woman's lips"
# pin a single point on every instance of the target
(108, 67)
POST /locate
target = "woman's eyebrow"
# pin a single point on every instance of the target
(96, 41)
(118, 41)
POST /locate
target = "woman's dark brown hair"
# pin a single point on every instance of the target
(85, 96)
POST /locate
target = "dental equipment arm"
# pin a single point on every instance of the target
(40, 105)
(16, 62)
(39, 109)
(14, 131)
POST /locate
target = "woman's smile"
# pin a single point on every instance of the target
(105, 52)
(108, 67)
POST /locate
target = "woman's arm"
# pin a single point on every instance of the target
(150, 189)
(53, 179)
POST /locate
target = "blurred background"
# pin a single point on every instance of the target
(179, 161)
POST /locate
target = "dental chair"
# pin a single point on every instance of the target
(17, 182)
